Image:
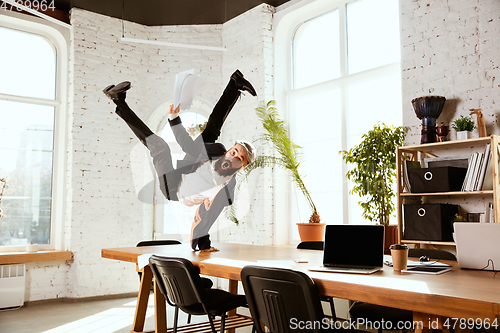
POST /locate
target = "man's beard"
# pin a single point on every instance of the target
(227, 172)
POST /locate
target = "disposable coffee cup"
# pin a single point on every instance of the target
(399, 253)
(32, 247)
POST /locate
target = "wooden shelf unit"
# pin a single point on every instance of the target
(431, 150)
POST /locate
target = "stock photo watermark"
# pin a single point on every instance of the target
(448, 323)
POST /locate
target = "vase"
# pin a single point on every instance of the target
(428, 109)
(311, 232)
(463, 135)
(391, 236)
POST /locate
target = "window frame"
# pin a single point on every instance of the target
(287, 21)
(58, 38)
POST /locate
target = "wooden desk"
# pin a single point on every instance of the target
(456, 294)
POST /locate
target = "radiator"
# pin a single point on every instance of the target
(12, 285)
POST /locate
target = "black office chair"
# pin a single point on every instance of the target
(207, 283)
(282, 298)
(179, 281)
(319, 245)
(373, 312)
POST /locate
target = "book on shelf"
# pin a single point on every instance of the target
(468, 175)
(475, 172)
(484, 167)
(476, 178)
(488, 176)
(407, 166)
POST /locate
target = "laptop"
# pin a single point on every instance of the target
(477, 245)
(353, 249)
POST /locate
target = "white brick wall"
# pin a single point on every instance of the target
(450, 48)
(102, 207)
(248, 39)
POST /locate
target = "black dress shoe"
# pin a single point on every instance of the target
(117, 92)
(242, 84)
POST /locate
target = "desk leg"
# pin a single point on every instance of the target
(160, 311)
(142, 300)
(233, 289)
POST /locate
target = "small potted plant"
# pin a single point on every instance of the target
(464, 127)
(374, 174)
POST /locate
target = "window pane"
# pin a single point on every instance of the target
(372, 34)
(29, 66)
(316, 50)
(315, 125)
(26, 147)
(381, 102)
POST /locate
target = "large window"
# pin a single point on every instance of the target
(346, 77)
(29, 103)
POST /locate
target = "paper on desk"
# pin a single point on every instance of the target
(413, 263)
(186, 86)
(228, 262)
(143, 260)
(276, 263)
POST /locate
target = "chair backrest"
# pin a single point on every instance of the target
(281, 298)
(178, 280)
(311, 245)
(158, 242)
(432, 254)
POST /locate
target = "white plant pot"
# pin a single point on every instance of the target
(463, 135)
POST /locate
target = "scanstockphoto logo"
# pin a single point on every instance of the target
(326, 324)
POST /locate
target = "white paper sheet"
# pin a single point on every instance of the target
(143, 260)
(187, 84)
(277, 263)
(228, 262)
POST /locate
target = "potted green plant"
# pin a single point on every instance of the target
(288, 158)
(373, 174)
(464, 126)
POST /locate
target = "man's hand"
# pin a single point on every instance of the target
(212, 249)
(177, 110)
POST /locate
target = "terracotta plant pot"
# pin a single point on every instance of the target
(391, 236)
(311, 232)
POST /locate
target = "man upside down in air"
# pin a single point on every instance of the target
(205, 176)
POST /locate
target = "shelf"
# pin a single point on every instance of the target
(405, 241)
(468, 199)
(8, 258)
(437, 194)
(446, 144)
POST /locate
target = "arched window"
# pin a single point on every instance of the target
(345, 78)
(172, 219)
(31, 107)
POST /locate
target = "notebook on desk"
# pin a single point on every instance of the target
(352, 249)
(477, 245)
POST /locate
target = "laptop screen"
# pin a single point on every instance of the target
(354, 245)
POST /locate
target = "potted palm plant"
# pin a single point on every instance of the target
(288, 158)
(373, 174)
